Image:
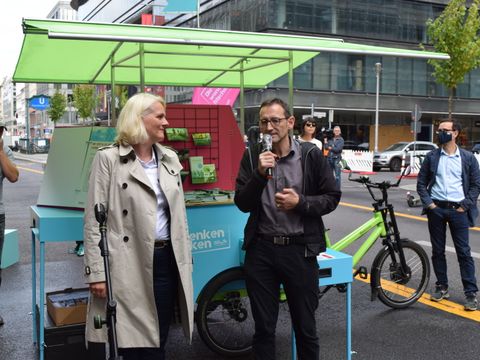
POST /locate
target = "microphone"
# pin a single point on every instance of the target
(100, 213)
(267, 146)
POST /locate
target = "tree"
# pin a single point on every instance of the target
(58, 103)
(85, 100)
(455, 32)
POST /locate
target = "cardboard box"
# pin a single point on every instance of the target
(68, 306)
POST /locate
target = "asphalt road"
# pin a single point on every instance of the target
(378, 332)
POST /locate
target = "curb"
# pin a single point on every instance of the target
(28, 158)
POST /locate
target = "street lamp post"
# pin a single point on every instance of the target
(378, 70)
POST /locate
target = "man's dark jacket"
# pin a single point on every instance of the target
(470, 181)
(319, 195)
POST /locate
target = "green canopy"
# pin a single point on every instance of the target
(83, 52)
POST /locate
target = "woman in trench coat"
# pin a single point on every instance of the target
(138, 181)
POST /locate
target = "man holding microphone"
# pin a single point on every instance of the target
(286, 191)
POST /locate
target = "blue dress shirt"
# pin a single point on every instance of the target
(448, 182)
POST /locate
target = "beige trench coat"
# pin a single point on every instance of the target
(118, 181)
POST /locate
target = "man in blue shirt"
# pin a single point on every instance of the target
(449, 185)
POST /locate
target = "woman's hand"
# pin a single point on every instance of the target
(99, 289)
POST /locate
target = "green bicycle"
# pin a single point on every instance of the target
(401, 269)
(399, 276)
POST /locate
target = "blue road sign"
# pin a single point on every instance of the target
(40, 102)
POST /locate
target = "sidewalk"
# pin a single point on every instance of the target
(36, 158)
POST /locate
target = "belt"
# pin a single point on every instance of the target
(160, 244)
(283, 240)
(446, 204)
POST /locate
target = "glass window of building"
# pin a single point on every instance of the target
(321, 71)
(475, 83)
(404, 76)
(419, 78)
(370, 74)
(402, 20)
(302, 76)
(389, 75)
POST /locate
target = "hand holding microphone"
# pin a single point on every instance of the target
(267, 158)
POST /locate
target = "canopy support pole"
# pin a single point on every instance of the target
(290, 82)
(112, 90)
(242, 100)
(109, 59)
(142, 67)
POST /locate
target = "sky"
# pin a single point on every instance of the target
(11, 14)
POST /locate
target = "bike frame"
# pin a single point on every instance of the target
(377, 223)
(382, 224)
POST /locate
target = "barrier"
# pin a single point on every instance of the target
(415, 165)
(358, 161)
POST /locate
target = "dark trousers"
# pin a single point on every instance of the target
(438, 219)
(165, 282)
(335, 165)
(266, 267)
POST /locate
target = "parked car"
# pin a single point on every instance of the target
(392, 156)
(352, 145)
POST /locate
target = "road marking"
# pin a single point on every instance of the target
(447, 248)
(398, 214)
(31, 170)
(444, 305)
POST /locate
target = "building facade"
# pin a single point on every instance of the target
(9, 102)
(344, 85)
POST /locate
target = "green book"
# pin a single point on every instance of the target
(202, 139)
(177, 134)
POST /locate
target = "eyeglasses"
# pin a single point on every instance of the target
(273, 121)
(310, 125)
(439, 131)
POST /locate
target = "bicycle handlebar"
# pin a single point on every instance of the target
(386, 184)
(383, 185)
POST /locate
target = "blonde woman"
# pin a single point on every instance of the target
(138, 181)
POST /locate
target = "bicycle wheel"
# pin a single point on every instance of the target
(223, 314)
(396, 288)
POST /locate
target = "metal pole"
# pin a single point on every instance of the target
(290, 81)
(27, 124)
(198, 13)
(330, 118)
(112, 92)
(142, 68)
(242, 99)
(378, 70)
(412, 160)
(312, 110)
(108, 109)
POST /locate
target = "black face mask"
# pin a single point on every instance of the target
(444, 137)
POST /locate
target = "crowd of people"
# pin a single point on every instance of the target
(286, 188)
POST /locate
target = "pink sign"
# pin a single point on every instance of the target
(214, 96)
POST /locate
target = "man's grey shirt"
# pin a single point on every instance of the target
(287, 173)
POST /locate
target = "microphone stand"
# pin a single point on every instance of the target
(111, 320)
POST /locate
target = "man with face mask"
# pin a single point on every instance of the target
(449, 185)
